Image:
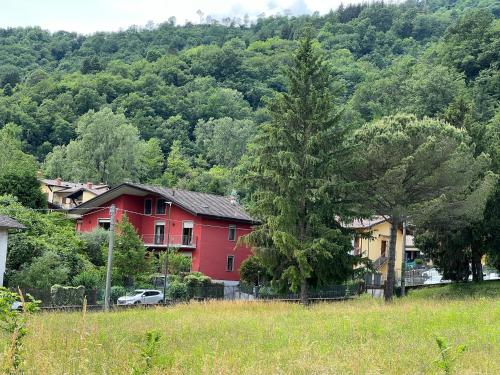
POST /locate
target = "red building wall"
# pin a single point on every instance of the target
(211, 235)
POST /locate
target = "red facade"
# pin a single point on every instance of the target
(209, 241)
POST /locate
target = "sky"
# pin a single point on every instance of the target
(88, 16)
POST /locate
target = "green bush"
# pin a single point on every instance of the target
(116, 292)
(67, 295)
(194, 279)
(90, 279)
(253, 271)
(43, 272)
(178, 291)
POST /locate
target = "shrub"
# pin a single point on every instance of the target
(116, 292)
(253, 271)
(44, 271)
(178, 291)
(90, 279)
(93, 243)
(67, 295)
(194, 279)
(14, 323)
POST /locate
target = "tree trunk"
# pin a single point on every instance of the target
(304, 293)
(391, 263)
(477, 267)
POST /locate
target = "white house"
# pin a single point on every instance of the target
(6, 223)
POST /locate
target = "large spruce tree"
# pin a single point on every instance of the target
(296, 191)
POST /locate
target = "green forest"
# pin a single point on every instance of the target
(179, 104)
(188, 106)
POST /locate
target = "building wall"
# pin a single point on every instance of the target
(371, 248)
(211, 235)
(87, 195)
(3, 252)
(45, 190)
(216, 247)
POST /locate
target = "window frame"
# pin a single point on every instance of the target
(232, 257)
(230, 229)
(150, 200)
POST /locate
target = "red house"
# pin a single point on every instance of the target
(205, 227)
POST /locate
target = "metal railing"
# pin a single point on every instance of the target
(379, 262)
(176, 240)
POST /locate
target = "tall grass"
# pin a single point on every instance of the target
(363, 336)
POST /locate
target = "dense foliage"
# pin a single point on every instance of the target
(204, 86)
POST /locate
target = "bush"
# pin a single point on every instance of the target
(116, 292)
(90, 279)
(253, 271)
(178, 291)
(67, 295)
(43, 272)
(93, 243)
(194, 279)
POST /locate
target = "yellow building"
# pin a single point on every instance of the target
(372, 240)
(64, 194)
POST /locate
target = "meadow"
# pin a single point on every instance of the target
(362, 336)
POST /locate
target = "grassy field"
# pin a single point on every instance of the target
(362, 336)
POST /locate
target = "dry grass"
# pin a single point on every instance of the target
(355, 337)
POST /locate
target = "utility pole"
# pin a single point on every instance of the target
(403, 262)
(165, 274)
(107, 294)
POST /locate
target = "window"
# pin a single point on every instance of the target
(187, 233)
(230, 263)
(148, 206)
(161, 206)
(104, 223)
(159, 233)
(151, 293)
(383, 248)
(356, 245)
(232, 233)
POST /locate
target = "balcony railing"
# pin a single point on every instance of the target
(176, 240)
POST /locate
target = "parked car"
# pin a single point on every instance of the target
(142, 296)
(17, 306)
(433, 276)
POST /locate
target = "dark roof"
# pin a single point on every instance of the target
(202, 204)
(96, 188)
(7, 222)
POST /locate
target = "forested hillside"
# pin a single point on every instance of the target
(178, 105)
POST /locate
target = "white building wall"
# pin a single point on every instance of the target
(3, 253)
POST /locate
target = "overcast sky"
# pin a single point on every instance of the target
(87, 16)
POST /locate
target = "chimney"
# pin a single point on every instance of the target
(89, 185)
(233, 197)
(58, 181)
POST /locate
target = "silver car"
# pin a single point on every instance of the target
(142, 296)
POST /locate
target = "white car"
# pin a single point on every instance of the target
(142, 296)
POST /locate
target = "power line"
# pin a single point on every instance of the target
(102, 208)
(178, 221)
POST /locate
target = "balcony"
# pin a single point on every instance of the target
(177, 241)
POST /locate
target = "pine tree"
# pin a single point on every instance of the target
(294, 181)
(423, 171)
